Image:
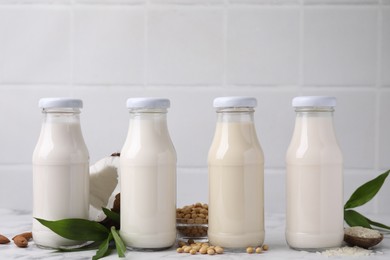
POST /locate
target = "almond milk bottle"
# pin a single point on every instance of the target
(314, 216)
(148, 177)
(60, 170)
(236, 176)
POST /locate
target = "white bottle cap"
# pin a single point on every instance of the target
(235, 102)
(60, 103)
(314, 101)
(148, 103)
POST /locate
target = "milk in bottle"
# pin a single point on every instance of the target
(314, 178)
(148, 177)
(236, 176)
(60, 170)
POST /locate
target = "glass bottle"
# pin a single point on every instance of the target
(148, 177)
(314, 182)
(236, 176)
(60, 170)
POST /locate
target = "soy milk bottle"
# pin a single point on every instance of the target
(314, 182)
(60, 170)
(148, 177)
(236, 176)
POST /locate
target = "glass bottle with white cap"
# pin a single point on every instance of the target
(314, 179)
(60, 170)
(148, 177)
(236, 176)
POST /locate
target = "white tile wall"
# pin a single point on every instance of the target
(384, 130)
(385, 50)
(259, 53)
(30, 35)
(108, 44)
(192, 51)
(185, 45)
(336, 39)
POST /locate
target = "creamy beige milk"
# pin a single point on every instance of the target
(236, 181)
(314, 185)
(148, 185)
(60, 179)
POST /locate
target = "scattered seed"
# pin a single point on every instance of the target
(4, 240)
(26, 235)
(180, 250)
(219, 250)
(203, 250)
(249, 250)
(20, 241)
(258, 250)
(210, 251)
(265, 247)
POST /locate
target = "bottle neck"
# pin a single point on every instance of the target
(325, 114)
(314, 124)
(148, 121)
(235, 126)
(158, 115)
(61, 115)
(237, 115)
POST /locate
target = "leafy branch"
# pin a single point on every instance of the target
(361, 196)
(88, 230)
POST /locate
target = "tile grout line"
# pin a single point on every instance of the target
(147, 6)
(71, 43)
(377, 97)
(225, 42)
(301, 46)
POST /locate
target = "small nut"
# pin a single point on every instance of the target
(4, 240)
(219, 250)
(26, 235)
(249, 250)
(210, 251)
(20, 241)
(203, 250)
(180, 250)
(265, 247)
(187, 249)
(258, 250)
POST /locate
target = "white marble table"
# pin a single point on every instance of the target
(15, 222)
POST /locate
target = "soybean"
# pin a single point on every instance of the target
(249, 250)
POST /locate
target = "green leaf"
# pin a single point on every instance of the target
(112, 215)
(104, 248)
(377, 224)
(77, 229)
(354, 218)
(120, 246)
(366, 192)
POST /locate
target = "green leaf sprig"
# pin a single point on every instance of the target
(361, 196)
(88, 230)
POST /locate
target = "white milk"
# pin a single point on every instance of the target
(60, 176)
(236, 181)
(314, 181)
(148, 180)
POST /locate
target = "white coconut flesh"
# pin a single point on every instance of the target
(103, 186)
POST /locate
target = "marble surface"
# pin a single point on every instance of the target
(15, 222)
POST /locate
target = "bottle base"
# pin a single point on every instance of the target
(50, 240)
(314, 242)
(148, 242)
(236, 242)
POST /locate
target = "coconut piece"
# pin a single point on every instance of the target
(104, 185)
